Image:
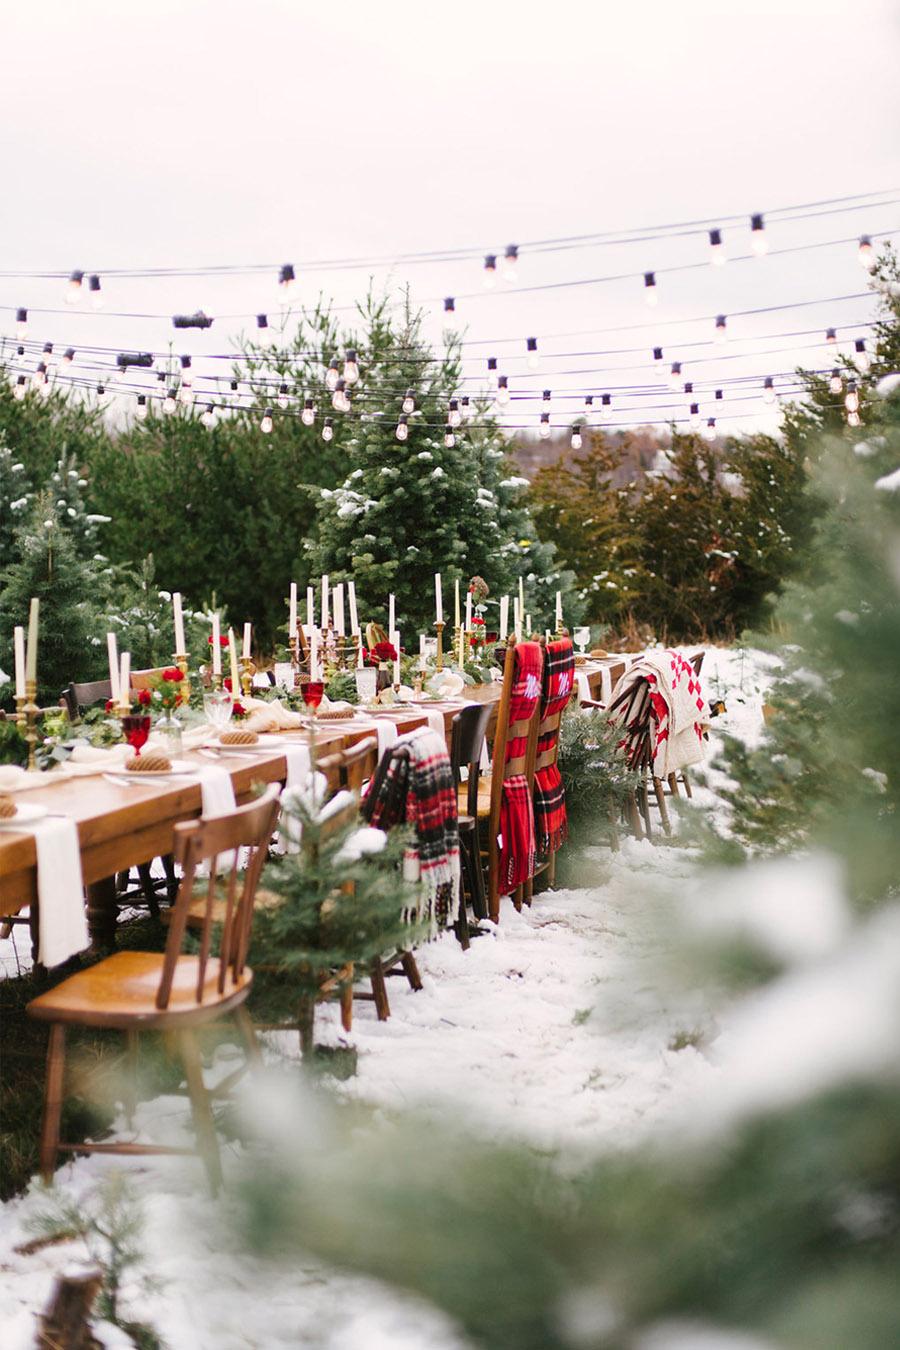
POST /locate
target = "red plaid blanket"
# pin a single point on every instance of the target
(550, 823)
(417, 788)
(517, 843)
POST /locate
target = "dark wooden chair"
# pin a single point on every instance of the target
(170, 991)
(547, 754)
(469, 729)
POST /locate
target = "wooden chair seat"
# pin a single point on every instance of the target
(121, 991)
(484, 797)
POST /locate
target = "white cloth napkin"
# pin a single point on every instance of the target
(217, 799)
(63, 927)
(297, 760)
(15, 779)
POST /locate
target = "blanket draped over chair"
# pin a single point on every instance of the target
(659, 702)
(418, 790)
(550, 823)
(517, 842)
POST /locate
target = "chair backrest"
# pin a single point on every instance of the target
(515, 737)
(349, 768)
(217, 840)
(556, 691)
(469, 729)
(697, 661)
(77, 696)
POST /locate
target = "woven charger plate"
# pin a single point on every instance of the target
(336, 714)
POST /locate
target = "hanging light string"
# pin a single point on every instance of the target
(286, 272)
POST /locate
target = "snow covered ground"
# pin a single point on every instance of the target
(553, 1028)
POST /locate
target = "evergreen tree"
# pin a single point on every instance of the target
(16, 499)
(44, 428)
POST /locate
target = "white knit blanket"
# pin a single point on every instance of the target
(677, 709)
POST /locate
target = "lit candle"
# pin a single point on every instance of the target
(180, 648)
(438, 601)
(392, 616)
(469, 611)
(351, 601)
(504, 616)
(248, 631)
(125, 681)
(456, 602)
(292, 614)
(339, 610)
(559, 609)
(527, 623)
(310, 609)
(395, 639)
(112, 650)
(232, 656)
(217, 645)
(324, 602)
(19, 639)
(521, 597)
(31, 653)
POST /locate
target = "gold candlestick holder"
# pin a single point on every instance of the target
(216, 680)
(31, 711)
(439, 659)
(246, 676)
(21, 701)
(181, 661)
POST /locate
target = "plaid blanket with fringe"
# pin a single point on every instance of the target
(550, 822)
(517, 842)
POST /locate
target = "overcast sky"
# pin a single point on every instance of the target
(220, 132)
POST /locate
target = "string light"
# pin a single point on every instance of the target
(862, 356)
(20, 389)
(465, 406)
(606, 407)
(511, 263)
(40, 375)
(332, 375)
(402, 432)
(835, 384)
(716, 248)
(95, 291)
(287, 280)
(851, 398)
(768, 390)
(490, 271)
(186, 392)
(830, 336)
(710, 432)
(533, 359)
(576, 442)
(282, 399)
(853, 419)
(502, 390)
(689, 387)
(588, 404)
(450, 311)
(546, 396)
(449, 438)
(657, 353)
(351, 367)
(263, 333)
(68, 356)
(545, 426)
(759, 243)
(865, 252)
(721, 329)
(409, 402)
(21, 324)
(650, 294)
(169, 403)
(48, 351)
(267, 422)
(208, 416)
(327, 430)
(454, 417)
(73, 289)
(141, 413)
(695, 416)
(719, 395)
(308, 415)
(340, 400)
(675, 375)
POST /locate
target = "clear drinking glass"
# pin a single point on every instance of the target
(366, 684)
(217, 705)
(582, 637)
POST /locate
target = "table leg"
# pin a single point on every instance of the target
(102, 914)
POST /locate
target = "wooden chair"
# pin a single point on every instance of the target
(170, 991)
(469, 729)
(673, 779)
(546, 756)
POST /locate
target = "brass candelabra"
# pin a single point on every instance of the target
(439, 659)
(246, 677)
(181, 661)
(31, 710)
(21, 700)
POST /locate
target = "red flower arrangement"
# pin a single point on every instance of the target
(223, 641)
(238, 711)
(143, 698)
(380, 653)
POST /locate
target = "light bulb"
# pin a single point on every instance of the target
(533, 359)
(449, 438)
(830, 336)
(351, 367)
(695, 416)
(768, 390)
(545, 396)
(402, 431)
(409, 402)
(490, 271)
(208, 416)
(308, 415)
(588, 404)
(68, 356)
(716, 248)
(96, 293)
(234, 386)
(650, 288)
(511, 263)
(710, 432)
(73, 289)
(169, 403)
(339, 400)
(186, 393)
(21, 324)
(689, 387)
(657, 353)
(450, 316)
(576, 441)
(48, 353)
(865, 252)
(267, 423)
(327, 430)
(101, 390)
(545, 426)
(759, 244)
(287, 281)
(454, 416)
(465, 407)
(491, 364)
(264, 334)
(851, 398)
(40, 375)
(862, 356)
(20, 390)
(835, 384)
(853, 419)
(606, 407)
(721, 329)
(141, 407)
(282, 398)
(675, 375)
(332, 375)
(720, 394)
(502, 390)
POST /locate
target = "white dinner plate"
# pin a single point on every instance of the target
(27, 813)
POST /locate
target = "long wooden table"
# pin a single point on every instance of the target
(122, 826)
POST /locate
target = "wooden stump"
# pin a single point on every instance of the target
(66, 1319)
